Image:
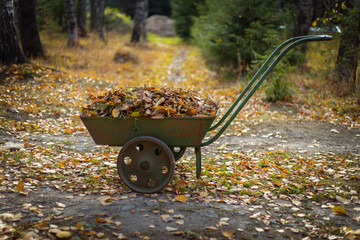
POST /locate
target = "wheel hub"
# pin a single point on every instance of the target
(145, 165)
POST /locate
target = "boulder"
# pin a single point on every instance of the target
(161, 25)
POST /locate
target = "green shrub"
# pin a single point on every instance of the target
(50, 15)
(230, 32)
(115, 20)
(278, 89)
(183, 12)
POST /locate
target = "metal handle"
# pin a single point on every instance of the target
(293, 43)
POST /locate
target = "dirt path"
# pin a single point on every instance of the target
(135, 216)
(158, 216)
(46, 211)
(306, 137)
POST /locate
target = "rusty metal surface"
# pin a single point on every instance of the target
(146, 164)
(180, 132)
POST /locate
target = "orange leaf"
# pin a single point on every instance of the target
(20, 187)
(179, 184)
(100, 220)
(277, 183)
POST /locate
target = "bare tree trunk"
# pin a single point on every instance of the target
(349, 49)
(146, 14)
(304, 18)
(10, 52)
(101, 20)
(71, 23)
(97, 18)
(141, 12)
(81, 17)
(93, 15)
(28, 28)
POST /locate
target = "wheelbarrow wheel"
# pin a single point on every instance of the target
(146, 164)
(178, 152)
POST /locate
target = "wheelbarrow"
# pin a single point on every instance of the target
(146, 162)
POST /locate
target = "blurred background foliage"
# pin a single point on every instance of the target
(234, 36)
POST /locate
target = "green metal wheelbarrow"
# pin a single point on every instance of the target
(146, 162)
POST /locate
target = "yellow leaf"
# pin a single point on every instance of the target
(339, 210)
(79, 226)
(67, 131)
(20, 187)
(343, 6)
(181, 198)
(115, 112)
(135, 114)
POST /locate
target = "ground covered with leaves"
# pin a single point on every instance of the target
(286, 170)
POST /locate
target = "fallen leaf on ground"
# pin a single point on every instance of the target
(19, 187)
(63, 234)
(181, 198)
(228, 234)
(339, 210)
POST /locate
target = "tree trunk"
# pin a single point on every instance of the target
(304, 18)
(347, 58)
(141, 13)
(81, 17)
(93, 15)
(146, 14)
(28, 28)
(10, 52)
(97, 17)
(71, 23)
(101, 20)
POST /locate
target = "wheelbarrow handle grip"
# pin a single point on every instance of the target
(264, 70)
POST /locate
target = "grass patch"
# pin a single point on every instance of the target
(166, 40)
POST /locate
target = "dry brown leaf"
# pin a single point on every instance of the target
(115, 112)
(228, 234)
(211, 228)
(63, 234)
(171, 229)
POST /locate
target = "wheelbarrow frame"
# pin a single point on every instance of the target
(184, 132)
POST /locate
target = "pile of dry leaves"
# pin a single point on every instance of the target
(150, 102)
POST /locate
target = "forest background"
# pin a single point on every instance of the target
(287, 166)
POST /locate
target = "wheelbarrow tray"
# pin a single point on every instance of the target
(176, 131)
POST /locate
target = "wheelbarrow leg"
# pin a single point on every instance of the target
(198, 162)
